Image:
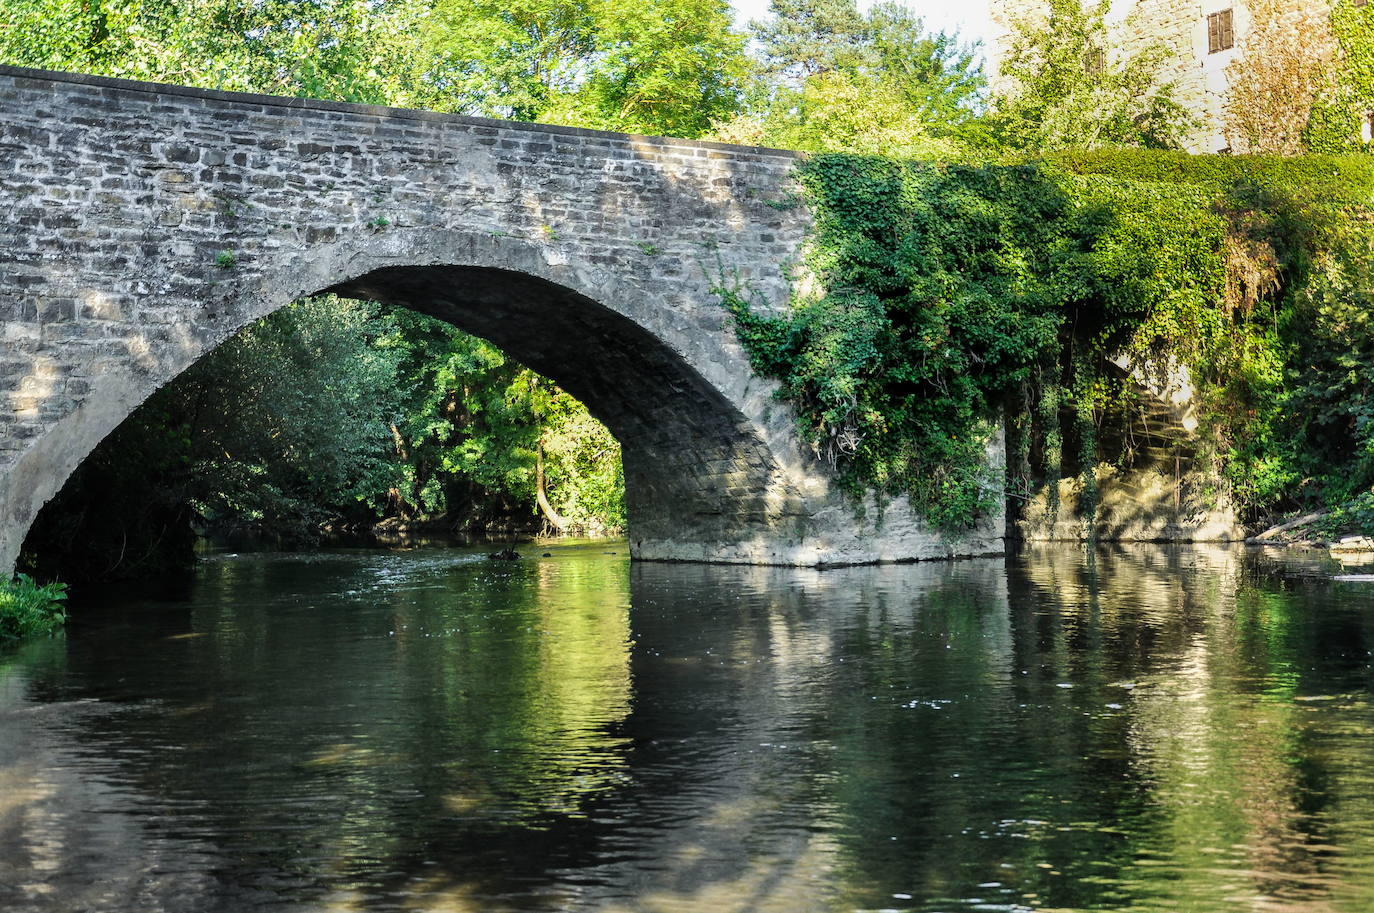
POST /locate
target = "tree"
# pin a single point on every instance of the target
(580, 484)
(350, 50)
(802, 38)
(228, 446)
(1065, 86)
(285, 457)
(660, 66)
(506, 60)
(832, 79)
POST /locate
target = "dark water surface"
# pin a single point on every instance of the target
(1146, 730)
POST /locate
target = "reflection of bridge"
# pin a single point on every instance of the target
(146, 224)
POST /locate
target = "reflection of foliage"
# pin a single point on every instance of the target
(501, 692)
(1147, 728)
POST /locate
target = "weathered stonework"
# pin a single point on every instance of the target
(143, 225)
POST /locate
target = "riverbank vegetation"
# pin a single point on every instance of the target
(1049, 253)
(390, 416)
(28, 609)
(1053, 289)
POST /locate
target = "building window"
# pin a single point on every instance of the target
(1220, 35)
(1094, 61)
(1367, 127)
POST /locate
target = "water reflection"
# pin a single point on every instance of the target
(1141, 729)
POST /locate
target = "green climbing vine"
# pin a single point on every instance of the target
(955, 294)
(1335, 125)
(1087, 400)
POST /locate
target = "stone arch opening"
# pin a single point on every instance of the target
(696, 472)
(695, 468)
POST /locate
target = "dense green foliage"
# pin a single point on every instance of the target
(470, 428)
(938, 307)
(659, 65)
(830, 78)
(391, 415)
(956, 290)
(27, 609)
(1335, 125)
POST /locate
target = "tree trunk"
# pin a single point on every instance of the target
(540, 496)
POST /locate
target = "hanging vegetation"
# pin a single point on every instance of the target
(955, 292)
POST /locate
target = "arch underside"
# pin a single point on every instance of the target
(701, 482)
(695, 470)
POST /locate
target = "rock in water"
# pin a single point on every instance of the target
(1354, 544)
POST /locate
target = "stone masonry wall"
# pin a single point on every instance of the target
(142, 225)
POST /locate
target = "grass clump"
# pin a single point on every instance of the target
(28, 609)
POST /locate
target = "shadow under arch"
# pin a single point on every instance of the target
(697, 470)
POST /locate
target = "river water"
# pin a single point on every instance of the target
(1142, 729)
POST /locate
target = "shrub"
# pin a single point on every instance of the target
(27, 609)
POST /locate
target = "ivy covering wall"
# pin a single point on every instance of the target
(1336, 122)
(954, 292)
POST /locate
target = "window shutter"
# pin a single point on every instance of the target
(1220, 33)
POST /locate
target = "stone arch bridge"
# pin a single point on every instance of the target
(588, 256)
